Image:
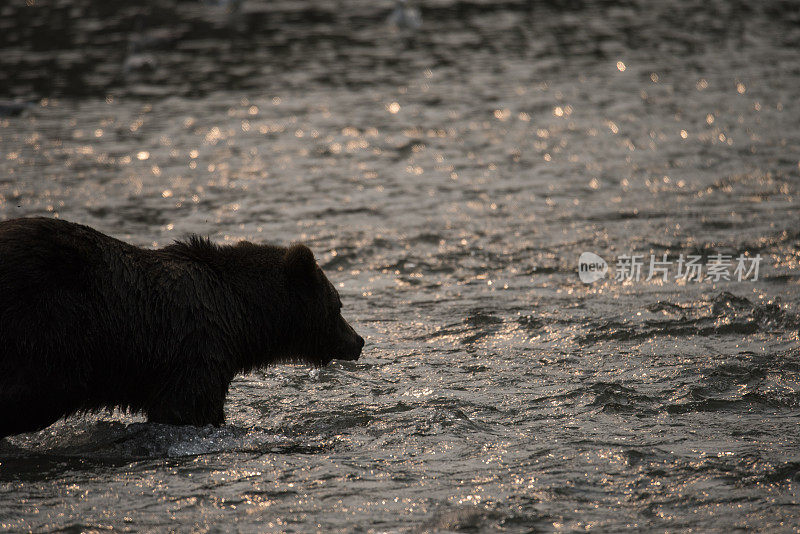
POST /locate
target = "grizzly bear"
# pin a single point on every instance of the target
(88, 322)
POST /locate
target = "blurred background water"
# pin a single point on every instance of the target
(447, 177)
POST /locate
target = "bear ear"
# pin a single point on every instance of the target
(300, 262)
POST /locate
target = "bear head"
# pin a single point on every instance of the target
(319, 332)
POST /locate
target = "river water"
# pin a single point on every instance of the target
(448, 180)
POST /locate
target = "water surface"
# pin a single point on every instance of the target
(447, 182)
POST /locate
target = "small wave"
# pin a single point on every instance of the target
(752, 382)
(462, 519)
(613, 397)
(118, 441)
(724, 314)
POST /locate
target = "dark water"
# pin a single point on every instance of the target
(448, 181)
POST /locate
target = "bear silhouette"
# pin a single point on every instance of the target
(88, 322)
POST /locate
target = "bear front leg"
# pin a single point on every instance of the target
(198, 408)
(187, 415)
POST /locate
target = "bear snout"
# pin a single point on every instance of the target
(353, 350)
(352, 343)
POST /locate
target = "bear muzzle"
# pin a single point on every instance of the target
(352, 343)
(352, 354)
